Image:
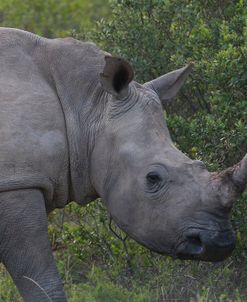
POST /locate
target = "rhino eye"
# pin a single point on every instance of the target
(157, 178)
(153, 178)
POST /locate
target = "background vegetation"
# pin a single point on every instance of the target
(207, 121)
(52, 18)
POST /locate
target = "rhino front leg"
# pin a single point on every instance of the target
(25, 249)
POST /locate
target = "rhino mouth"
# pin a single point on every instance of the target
(207, 245)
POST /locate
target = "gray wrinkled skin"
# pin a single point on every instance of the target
(74, 126)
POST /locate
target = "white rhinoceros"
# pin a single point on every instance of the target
(75, 126)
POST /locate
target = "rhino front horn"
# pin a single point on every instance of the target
(232, 182)
(239, 175)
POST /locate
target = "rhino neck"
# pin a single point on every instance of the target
(75, 72)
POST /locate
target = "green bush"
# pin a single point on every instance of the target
(51, 18)
(8, 291)
(208, 119)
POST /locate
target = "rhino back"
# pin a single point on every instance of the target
(32, 127)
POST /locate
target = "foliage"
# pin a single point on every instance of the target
(51, 18)
(158, 36)
(8, 292)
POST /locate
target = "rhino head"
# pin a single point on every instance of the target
(155, 193)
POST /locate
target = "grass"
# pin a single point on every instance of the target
(163, 280)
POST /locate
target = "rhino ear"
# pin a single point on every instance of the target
(168, 85)
(116, 76)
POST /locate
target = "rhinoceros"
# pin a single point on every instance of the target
(75, 126)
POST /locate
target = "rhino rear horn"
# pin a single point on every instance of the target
(116, 76)
(168, 85)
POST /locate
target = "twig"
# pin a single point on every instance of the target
(125, 246)
(41, 288)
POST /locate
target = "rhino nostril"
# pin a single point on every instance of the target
(194, 239)
(191, 246)
(195, 244)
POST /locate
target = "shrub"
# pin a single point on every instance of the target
(51, 18)
(208, 119)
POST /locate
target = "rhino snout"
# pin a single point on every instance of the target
(207, 245)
